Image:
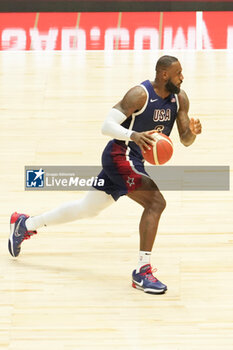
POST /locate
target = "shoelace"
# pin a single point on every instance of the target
(149, 274)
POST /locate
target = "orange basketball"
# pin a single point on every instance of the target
(161, 151)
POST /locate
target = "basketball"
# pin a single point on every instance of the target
(161, 151)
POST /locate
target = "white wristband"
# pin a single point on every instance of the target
(112, 127)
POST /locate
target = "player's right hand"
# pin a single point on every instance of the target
(143, 139)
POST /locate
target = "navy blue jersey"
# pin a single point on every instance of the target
(122, 161)
(157, 114)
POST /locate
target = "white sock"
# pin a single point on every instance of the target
(91, 205)
(144, 258)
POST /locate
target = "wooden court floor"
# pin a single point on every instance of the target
(70, 289)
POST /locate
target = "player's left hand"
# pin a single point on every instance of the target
(195, 126)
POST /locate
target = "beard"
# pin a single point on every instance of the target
(173, 89)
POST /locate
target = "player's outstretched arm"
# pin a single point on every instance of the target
(188, 128)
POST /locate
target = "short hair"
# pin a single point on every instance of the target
(164, 62)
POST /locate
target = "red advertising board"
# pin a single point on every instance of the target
(116, 31)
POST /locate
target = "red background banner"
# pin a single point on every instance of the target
(116, 30)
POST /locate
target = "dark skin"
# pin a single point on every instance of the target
(149, 195)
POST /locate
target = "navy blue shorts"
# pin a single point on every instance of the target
(122, 171)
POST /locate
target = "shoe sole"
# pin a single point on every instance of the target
(148, 290)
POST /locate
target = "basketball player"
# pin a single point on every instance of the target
(151, 105)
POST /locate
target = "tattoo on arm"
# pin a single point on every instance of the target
(186, 135)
